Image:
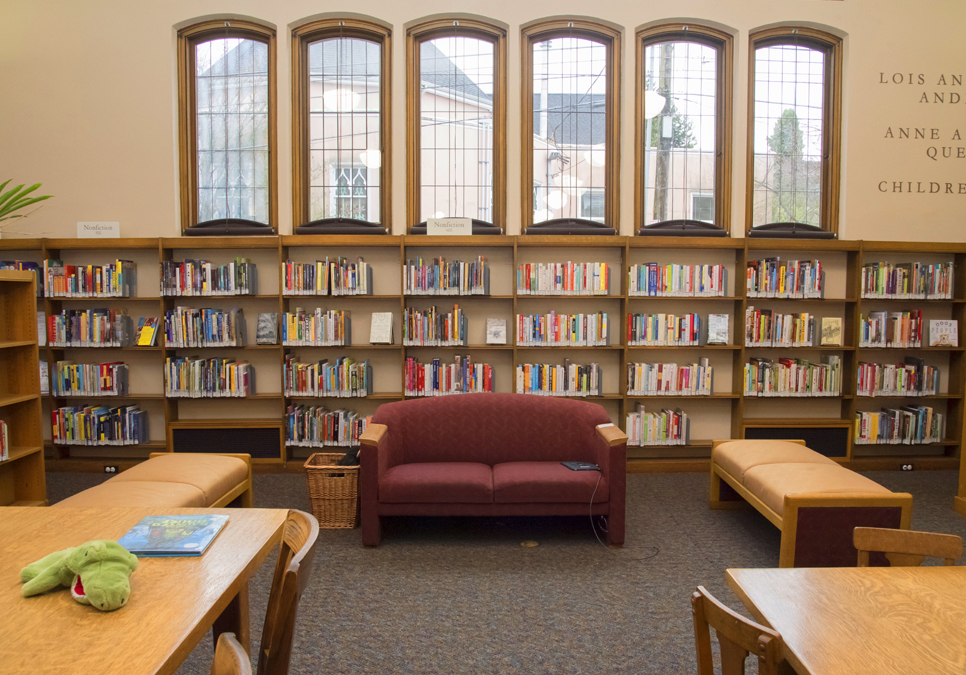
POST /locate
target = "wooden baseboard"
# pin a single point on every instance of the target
(697, 465)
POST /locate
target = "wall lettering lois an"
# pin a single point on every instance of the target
(929, 146)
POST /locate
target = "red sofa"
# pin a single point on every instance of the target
(491, 455)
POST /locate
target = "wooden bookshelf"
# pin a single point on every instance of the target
(22, 478)
(726, 413)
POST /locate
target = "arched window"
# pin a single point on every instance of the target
(570, 122)
(683, 125)
(456, 100)
(341, 163)
(794, 135)
(227, 127)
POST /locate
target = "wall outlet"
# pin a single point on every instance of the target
(907, 467)
(110, 468)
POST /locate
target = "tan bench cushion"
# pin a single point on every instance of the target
(736, 457)
(771, 482)
(213, 475)
(137, 493)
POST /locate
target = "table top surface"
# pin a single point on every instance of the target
(858, 621)
(173, 602)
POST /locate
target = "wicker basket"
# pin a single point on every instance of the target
(333, 490)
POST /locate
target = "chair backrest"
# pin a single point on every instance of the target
(230, 657)
(737, 637)
(291, 577)
(906, 548)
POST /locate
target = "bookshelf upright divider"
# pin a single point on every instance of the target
(726, 412)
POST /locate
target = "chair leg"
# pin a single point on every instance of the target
(371, 527)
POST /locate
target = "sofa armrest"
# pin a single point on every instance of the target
(373, 434)
(612, 434)
(378, 452)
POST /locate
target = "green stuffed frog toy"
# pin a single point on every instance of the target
(98, 574)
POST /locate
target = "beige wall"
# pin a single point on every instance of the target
(89, 103)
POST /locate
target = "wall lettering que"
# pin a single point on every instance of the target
(943, 145)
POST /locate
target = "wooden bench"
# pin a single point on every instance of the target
(813, 500)
(175, 480)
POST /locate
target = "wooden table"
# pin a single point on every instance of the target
(174, 601)
(858, 621)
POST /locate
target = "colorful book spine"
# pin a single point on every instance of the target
(437, 276)
(99, 425)
(901, 330)
(188, 377)
(654, 280)
(773, 278)
(318, 427)
(563, 330)
(322, 328)
(96, 327)
(189, 327)
(439, 378)
(567, 278)
(793, 377)
(768, 328)
(90, 379)
(342, 378)
(568, 379)
(114, 280)
(670, 379)
(663, 330)
(904, 425)
(662, 427)
(429, 327)
(190, 278)
(915, 280)
(912, 378)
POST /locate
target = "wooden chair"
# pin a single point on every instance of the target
(737, 637)
(291, 577)
(230, 657)
(906, 548)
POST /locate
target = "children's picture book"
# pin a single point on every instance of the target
(266, 331)
(147, 331)
(157, 536)
(943, 333)
(717, 329)
(380, 329)
(496, 331)
(831, 331)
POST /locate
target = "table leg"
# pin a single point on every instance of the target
(785, 668)
(235, 619)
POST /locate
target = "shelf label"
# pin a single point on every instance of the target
(449, 226)
(98, 230)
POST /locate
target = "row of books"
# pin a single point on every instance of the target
(343, 378)
(567, 278)
(916, 280)
(430, 327)
(443, 379)
(652, 279)
(670, 379)
(563, 330)
(190, 377)
(114, 280)
(663, 427)
(891, 329)
(439, 277)
(772, 278)
(200, 277)
(4, 441)
(569, 379)
(90, 379)
(99, 425)
(768, 328)
(663, 330)
(912, 378)
(793, 377)
(94, 327)
(190, 327)
(332, 276)
(905, 425)
(321, 328)
(26, 266)
(319, 427)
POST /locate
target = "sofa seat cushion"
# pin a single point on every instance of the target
(137, 493)
(771, 482)
(214, 475)
(546, 482)
(437, 482)
(736, 457)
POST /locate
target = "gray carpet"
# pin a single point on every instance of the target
(446, 596)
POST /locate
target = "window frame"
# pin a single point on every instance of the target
(302, 37)
(832, 47)
(188, 38)
(723, 43)
(608, 36)
(482, 29)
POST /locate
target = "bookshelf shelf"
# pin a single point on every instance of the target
(22, 477)
(695, 397)
(93, 399)
(842, 261)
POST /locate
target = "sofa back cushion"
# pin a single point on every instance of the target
(493, 428)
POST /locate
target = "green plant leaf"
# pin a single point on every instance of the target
(6, 196)
(16, 199)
